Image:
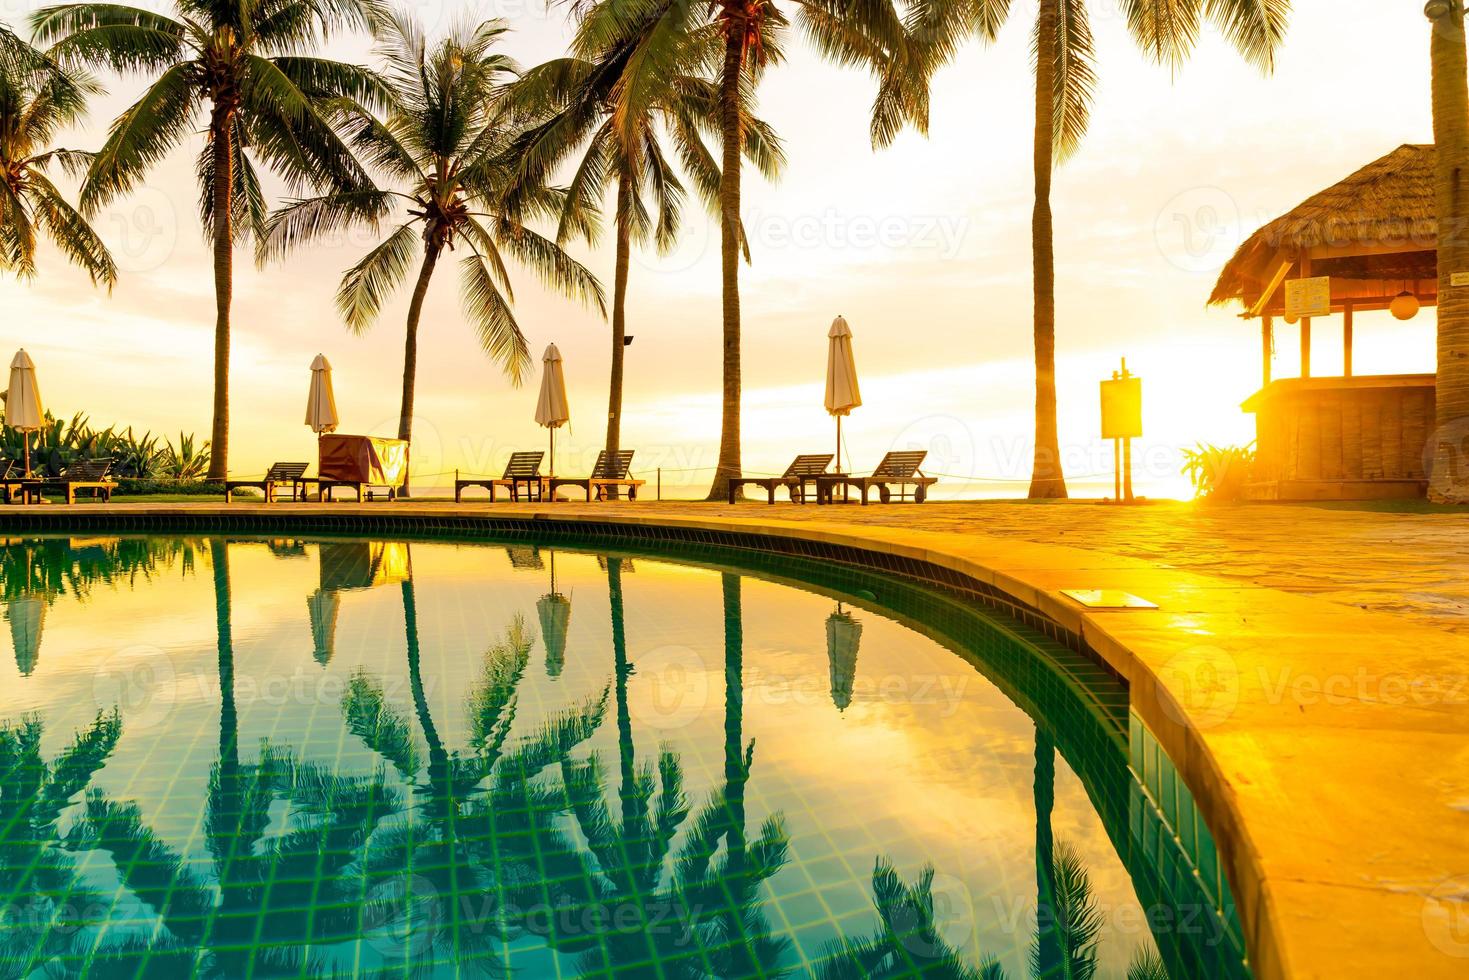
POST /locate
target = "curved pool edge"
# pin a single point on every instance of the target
(1300, 726)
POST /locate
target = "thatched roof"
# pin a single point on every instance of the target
(1378, 229)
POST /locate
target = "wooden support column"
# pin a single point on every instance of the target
(1346, 340)
(1305, 262)
(1267, 347)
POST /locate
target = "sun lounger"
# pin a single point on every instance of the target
(608, 476)
(280, 475)
(12, 482)
(897, 470)
(85, 474)
(522, 474)
(802, 471)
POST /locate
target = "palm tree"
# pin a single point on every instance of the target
(36, 100)
(247, 64)
(908, 942)
(1449, 479)
(742, 38)
(1065, 80)
(627, 84)
(445, 142)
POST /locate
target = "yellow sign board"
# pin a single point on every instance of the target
(1308, 297)
(1122, 408)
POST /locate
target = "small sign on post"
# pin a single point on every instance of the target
(1308, 297)
(1122, 422)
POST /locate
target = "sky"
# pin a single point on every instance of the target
(924, 247)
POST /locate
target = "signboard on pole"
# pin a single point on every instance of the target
(1122, 408)
(1308, 297)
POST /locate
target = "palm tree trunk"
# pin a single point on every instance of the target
(728, 464)
(410, 352)
(1046, 479)
(221, 132)
(619, 319)
(229, 742)
(1049, 960)
(736, 776)
(1449, 480)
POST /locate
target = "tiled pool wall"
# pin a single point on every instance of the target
(1149, 814)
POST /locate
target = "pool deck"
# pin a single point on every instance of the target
(1307, 671)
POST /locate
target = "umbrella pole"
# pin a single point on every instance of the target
(25, 440)
(839, 443)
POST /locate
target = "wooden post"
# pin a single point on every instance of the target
(1267, 347)
(1305, 320)
(1346, 340)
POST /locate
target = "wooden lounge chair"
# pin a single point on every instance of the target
(279, 475)
(803, 470)
(84, 474)
(608, 476)
(523, 472)
(897, 470)
(12, 482)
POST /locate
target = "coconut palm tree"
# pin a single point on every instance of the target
(444, 143)
(1449, 479)
(743, 38)
(37, 99)
(609, 106)
(245, 66)
(1065, 80)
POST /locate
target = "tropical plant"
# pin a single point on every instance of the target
(1219, 473)
(63, 442)
(1065, 80)
(186, 461)
(37, 100)
(444, 143)
(52, 912)
(487, 832)
(1146, 964)
(609, 107)
(247, 66)
(1449, 472)
(908, 942)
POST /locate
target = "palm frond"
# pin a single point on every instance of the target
(71, 233)
(112, 35)
(141, 137)
(302, 222)
(553, 265)
(1255, 27)
(494, 323)
(1074, 74)
(364, 286)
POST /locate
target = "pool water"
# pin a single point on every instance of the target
(262, 758)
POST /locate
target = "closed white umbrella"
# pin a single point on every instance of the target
(23, 409)
(551, 408)
(321, 403)
(843, 639)
(27, 616)
(842, 393)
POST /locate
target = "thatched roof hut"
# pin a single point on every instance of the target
(1374, 234)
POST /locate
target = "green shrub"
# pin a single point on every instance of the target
(62, 443)
(1219, 473)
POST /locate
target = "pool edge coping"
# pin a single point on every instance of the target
(1298, 920)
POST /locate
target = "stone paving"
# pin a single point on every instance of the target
(1413, 564)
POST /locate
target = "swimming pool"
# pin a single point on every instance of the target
(334, 756)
